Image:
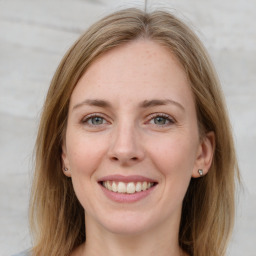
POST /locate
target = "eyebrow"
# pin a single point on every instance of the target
(156, 102)
(93, 102)
(144, 104)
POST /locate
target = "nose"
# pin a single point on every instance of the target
(126, 145)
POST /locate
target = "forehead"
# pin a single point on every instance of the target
(136, 70)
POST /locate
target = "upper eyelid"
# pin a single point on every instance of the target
(87, 117)
(149, 117)
(153, 115)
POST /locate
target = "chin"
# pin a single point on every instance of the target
(127, 224)
(127, 230)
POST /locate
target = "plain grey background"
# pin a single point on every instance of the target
(35, 34)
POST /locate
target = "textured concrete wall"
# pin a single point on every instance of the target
(34, 35)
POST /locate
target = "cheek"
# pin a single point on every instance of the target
(84, 153)
(175, 158)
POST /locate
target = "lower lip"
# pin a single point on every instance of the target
(125, 197)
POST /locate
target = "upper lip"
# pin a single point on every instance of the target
(126, 179)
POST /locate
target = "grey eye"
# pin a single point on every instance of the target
(159, 120)
(97, 120)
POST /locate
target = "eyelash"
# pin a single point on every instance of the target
(90, 117)
(168, 118)
(151, 117)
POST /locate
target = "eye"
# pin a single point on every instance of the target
(97, 120)
(94, 120)
(161, 120)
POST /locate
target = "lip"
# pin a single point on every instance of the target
(123, 197)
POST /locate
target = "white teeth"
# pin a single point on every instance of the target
(138, 186)
(144, 185)
(114, 187)
(121, 188)
(130, 188)
(108, 185)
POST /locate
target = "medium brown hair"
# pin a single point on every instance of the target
(56, 216)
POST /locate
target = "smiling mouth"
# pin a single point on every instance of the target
(127, 188)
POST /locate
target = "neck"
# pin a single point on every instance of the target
(160, 241)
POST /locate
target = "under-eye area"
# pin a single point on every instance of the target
(127, 187)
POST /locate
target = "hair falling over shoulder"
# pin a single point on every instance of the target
(56, 216)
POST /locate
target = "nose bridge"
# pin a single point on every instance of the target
(125, 144)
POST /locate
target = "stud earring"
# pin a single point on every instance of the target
(65, 169)
(201, 172)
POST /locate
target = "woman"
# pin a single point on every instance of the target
(134, 154)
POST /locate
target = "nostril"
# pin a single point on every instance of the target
(114, 158)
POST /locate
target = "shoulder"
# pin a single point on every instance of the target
(24, 253)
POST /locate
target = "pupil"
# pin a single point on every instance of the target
(97, 120)
(160, 120)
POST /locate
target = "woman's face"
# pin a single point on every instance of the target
(132, 141)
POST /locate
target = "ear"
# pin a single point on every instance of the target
(65, 162)
(205, 154)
